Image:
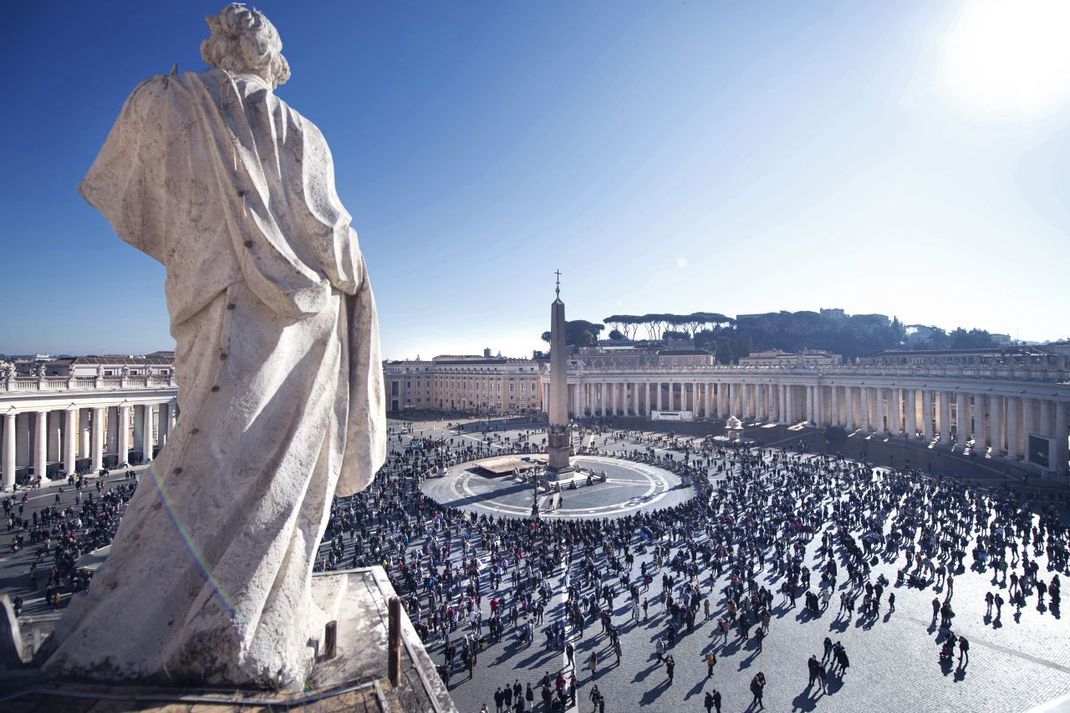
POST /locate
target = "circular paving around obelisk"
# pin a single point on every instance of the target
(628, 488)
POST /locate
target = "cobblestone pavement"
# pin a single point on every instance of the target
(1016, 662)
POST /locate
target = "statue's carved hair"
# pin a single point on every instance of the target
(245, 42)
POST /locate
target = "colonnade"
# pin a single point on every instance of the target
(999, 417)
(41, 440)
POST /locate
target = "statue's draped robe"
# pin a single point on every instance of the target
(280, 388)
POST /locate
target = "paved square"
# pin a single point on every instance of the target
(750, 519)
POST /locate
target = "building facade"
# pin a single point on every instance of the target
(999, 405)
(491, 385)
(80, 415)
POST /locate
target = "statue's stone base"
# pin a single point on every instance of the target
(558, 449)
(355, 679)
(557, 475)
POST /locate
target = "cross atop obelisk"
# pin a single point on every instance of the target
(557, 289)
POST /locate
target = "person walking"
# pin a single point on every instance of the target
(757, 689)
(597, 700)
(711, 661)
(814, 667)
(670, 666)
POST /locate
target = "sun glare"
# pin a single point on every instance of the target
(1010, 58)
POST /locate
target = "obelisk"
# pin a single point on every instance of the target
(558, 439)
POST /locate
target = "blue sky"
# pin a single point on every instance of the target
(683, 156)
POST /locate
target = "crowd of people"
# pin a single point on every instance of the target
(62, 534)
(760, 523)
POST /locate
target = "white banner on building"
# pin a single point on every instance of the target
(672, 416)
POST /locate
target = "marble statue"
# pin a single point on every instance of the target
(280, 380)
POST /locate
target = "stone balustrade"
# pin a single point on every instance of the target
(58, 425)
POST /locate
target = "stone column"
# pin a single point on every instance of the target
(863, 406)
(54, 424)
(819, 405)
(97, 454)
(945, 416)
(1014, 420)
(876, 409)
(659, 401)
(646, 405)
(927, 414)
(146, 443)
(1061, 447)
(732, 411)
(123, 443)
(40, 461)
(995, 423)
(962, 418)
(789, 416)
(9, 451)
(1029, 424)
(85, 447)
(980, 423)
(910, 409)
(1047, 413)
(70, 440)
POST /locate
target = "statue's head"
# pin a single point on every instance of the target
(245, 42)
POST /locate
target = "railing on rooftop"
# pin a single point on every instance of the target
(1016, 373)
(20, 384)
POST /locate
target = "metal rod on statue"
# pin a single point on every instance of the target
(393, 660)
